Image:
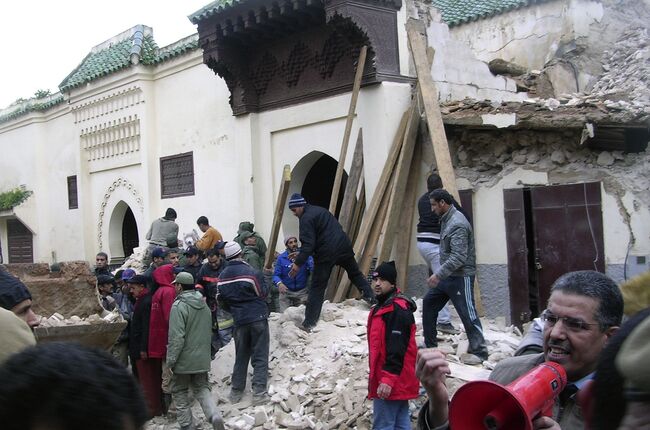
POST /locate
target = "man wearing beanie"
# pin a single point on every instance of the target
(242, 292)
(322, 237)
(391, 352)
(293, 291)
(15, 297)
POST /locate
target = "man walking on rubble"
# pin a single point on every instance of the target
(454, 279)
(242, 291)
(188, 353)
(322, 236)
(428, 242)
(391, 352)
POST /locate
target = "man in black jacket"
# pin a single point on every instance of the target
(323, 237)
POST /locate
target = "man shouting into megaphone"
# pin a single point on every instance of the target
(584, 310)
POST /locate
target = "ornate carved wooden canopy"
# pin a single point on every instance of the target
(274, 53)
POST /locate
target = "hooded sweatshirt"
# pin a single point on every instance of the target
(161, 230)
(161, 306)
(190, 331)
(15, 335)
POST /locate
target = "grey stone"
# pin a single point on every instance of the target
(605, 159)
(558, 157)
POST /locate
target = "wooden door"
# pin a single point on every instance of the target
(568, 229)
(19, 242)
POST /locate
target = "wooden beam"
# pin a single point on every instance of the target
(405, 227)
(350, 195)
(348, 129)
(417, 40)
(277, 216)
(396, 207)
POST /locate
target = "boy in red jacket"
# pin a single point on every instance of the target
(391, 352)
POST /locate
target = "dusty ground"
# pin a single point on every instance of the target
(319, 380)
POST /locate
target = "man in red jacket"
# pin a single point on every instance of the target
(161, 306)
(391, 352)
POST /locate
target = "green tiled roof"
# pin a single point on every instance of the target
(117, 56)
(212, 8)
(456, 12)
(31, 105)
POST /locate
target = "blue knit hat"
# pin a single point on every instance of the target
(296, 201)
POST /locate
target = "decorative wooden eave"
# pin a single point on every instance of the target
(275, 53)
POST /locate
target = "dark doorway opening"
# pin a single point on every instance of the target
(550, 230)
(19, 242)
(129, 233)
(317, 188)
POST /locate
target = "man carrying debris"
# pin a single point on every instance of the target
(428, 241)
(322, 236)
(188, 353)
(15, 297)
(160, 233)
(454, 279)
(242, 291)
(210, 234)
(585, 309)
(293, 291)
(260, 244)
(391, 352)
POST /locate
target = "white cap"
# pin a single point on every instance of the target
(232, 250)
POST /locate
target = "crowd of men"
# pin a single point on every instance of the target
(182, 310)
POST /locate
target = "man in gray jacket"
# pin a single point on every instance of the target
(454, 279)
(162, 233)
(188, 353)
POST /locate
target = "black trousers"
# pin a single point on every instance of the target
(251, 345)
(320, 278)
(460, 290)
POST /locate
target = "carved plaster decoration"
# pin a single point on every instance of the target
(118, 183)
(107, 104)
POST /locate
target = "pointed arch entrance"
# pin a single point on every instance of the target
(122, 232)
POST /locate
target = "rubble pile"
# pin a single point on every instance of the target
(136, 260)
(319, 380)
(58, 320)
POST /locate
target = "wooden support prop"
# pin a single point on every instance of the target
(417, 40)
(348, 128)
(405, 227)
(365, 260)
(277, 216)
(396, 207)
(350, 196)
(380, 189)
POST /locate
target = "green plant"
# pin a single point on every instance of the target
(40, 94)
(12, 198)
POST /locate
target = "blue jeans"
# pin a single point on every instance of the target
(390, 414)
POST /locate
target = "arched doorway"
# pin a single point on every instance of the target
(319, 181)
(122, 233)
(129, 233)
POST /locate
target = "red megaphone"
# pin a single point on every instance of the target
(488, 405)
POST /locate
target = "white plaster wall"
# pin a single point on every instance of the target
(459, 74)
(285, 136)
(616, 232)
(192, 114)
(529, 36)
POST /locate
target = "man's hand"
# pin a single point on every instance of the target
(143, 355)
(383, 391)
(282, 288)
(545, 423)
(294, 270)
(433, 281)
(292, 255)
(432, 369)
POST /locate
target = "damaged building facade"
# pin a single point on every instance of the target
(545, 104)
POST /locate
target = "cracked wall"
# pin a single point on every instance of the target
(566, 37)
